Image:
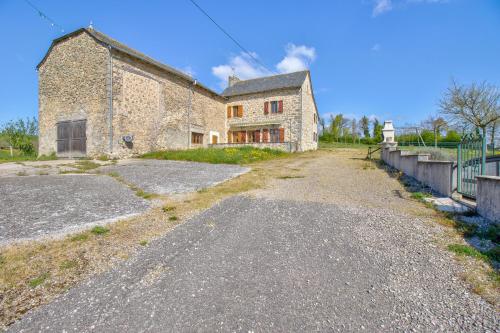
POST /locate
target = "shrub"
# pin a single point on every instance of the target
(99, 230)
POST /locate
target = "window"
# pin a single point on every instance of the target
(274, 107)
(196, 138)
(235, 111)
(275, 134)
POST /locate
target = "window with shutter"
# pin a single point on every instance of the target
(265, 135)
(280, 106)
(274, 107)
(266, 107)
(257, 136)
(240, 111)
(282, 135)
(229, 111)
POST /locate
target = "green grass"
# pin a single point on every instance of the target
(67, 264)
(99, 230)
(21, 173)
(144, 195)
(420, 195)
(39, 280)
(143, 243)
(240, 155)
(173, 218)
(168, 208)
(290, 177)
(466, 250)
(18, 156)
(79, 238)
(330, 145)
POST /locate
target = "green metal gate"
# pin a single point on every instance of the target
(471, 156)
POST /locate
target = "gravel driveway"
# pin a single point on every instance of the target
(169, 177)
(34, 206)
(311, 262)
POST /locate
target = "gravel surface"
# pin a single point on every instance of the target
(337, 250)
(36, 206)
(169, 177)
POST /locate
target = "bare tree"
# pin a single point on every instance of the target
(476, 104)
(436, 124)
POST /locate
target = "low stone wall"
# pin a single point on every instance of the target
(488, 197)
(438, 175)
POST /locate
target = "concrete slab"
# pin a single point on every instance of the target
(38, 206)
(171, 177)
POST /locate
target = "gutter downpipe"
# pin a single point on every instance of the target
(110, 102)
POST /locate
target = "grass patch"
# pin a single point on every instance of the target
(79, 238)
(143, 242)
(103, 158)
(114, 174)
(466, 250)
(145, 195)
(68, 264)
(167, 209)
(99, 230)
(38, 280)
(290, 177)
(18, 156)
(42, 173)
(173, 218)
(420, 195)
(240, 155)
(21, 173)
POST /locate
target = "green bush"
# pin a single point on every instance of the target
(21, 135)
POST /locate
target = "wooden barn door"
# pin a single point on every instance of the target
(71, 138)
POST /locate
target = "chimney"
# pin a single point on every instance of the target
(231, 80)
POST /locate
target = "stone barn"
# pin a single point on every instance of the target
(100, 97)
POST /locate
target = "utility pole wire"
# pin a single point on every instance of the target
(257, 61)
(45, 17)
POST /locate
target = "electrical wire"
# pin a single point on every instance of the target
(43, 16)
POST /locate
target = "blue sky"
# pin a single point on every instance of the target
(386, 58)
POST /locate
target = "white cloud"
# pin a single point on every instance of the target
(242, 66)
(381, 6)
(297, 58)
(377, 47)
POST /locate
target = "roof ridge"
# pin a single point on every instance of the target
(269, 76)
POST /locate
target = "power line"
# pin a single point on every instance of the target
(43, 16)
(230, 37)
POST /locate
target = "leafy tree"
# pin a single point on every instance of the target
(452, 136)
(354, 129)
(476, 104)
(337, 125)
(364, 123)
(377, 130)
(20, 134)
(322, 124)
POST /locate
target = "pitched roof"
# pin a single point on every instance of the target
(281, 81)
(108, 41)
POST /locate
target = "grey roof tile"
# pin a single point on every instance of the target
(281, 81)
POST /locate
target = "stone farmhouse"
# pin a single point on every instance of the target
(100, 97)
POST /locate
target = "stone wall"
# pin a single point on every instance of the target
(253, 112)
(297, 118)
(159, 109)
(309, 122)
(72, 84)
(438, 175)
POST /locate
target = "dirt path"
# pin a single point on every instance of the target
(332, 243)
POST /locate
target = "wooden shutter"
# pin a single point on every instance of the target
(265, 135)
(240, 111)
(257, 136)
(266, 107)
(243, 136)
(229, 111)
(282, 135)
(230, 137)
(280, 106)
